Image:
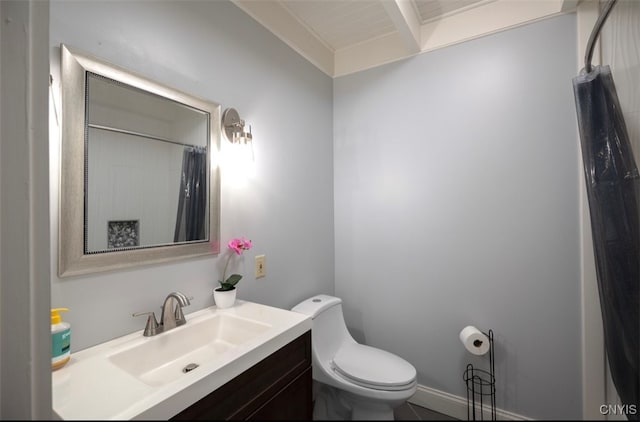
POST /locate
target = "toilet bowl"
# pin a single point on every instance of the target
(352, 380)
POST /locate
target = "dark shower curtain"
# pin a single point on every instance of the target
(613, 190)
(192, 200)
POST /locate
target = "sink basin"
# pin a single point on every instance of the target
(171, 355)
(137, 377)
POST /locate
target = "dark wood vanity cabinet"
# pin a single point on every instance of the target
(279, 387)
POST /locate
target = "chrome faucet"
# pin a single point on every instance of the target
(171, 317)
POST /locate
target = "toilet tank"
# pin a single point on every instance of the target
(329, 331)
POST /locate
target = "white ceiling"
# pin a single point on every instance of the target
(346, 36)
(341, 24)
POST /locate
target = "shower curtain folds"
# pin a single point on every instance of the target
(613, 191)
(192, 199)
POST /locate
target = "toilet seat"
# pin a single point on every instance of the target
(373, 368)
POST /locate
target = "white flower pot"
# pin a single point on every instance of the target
(224, 299)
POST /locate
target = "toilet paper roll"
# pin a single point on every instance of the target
(474, 340)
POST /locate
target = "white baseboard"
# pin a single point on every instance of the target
(455, 406)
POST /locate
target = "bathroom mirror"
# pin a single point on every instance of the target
(138, 179)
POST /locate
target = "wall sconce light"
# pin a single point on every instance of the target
(233, 127)
(239, 159)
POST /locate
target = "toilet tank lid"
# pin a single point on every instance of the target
(316, 304)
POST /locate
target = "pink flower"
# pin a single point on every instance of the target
(238, 244)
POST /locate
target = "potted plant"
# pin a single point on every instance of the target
(225, 295)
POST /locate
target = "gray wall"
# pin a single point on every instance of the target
(455, 182)
(213, 50)
(456, 203)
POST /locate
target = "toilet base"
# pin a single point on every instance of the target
(366, 409)
(328, 405)
(331, 403)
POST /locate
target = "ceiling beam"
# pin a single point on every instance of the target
(492, 17)
(569, 5)
(406, 21)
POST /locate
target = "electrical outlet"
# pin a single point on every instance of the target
(260, 269)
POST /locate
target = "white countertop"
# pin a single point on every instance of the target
(90, 386)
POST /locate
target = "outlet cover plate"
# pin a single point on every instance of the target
(260, 266)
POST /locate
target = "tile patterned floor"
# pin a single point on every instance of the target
(412, 412)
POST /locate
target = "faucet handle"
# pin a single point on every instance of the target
(179, 316)
(186, 300)
(152, 327)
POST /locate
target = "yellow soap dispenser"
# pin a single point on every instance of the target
(60, 339)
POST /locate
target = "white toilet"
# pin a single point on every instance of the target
(354, 381)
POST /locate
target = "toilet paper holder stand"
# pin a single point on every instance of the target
(481, 386)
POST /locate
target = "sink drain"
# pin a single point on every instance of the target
(190, 367)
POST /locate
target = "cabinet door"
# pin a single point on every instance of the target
(247, 393)
(292, 403)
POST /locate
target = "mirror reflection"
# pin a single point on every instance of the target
(146, 178)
